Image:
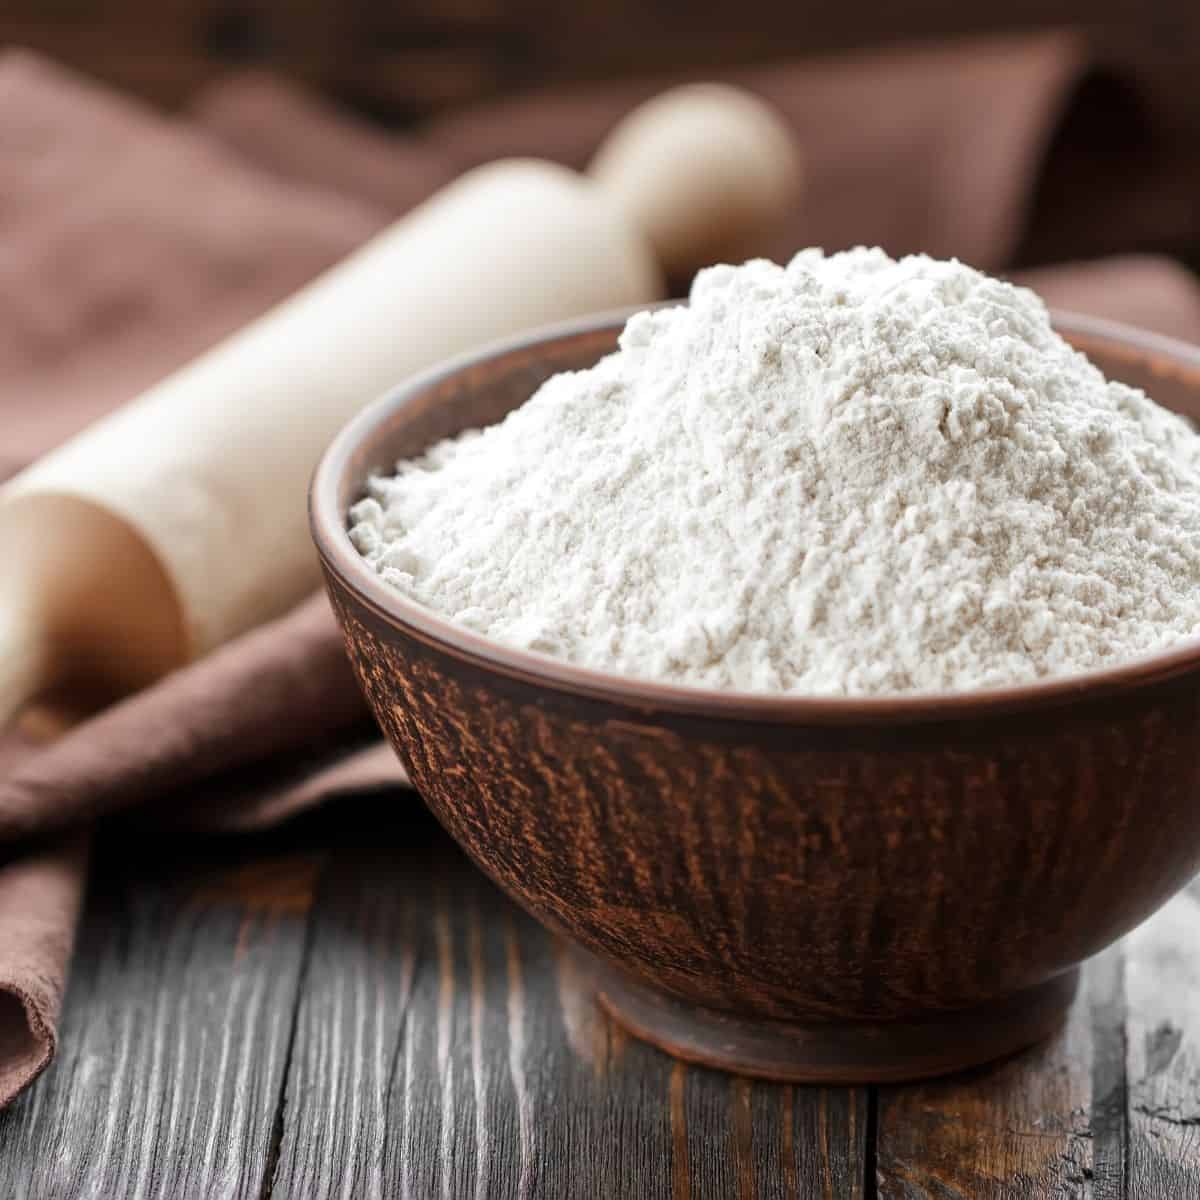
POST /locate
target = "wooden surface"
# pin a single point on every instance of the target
(346, 1008)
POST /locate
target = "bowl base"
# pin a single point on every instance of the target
(831, 1052)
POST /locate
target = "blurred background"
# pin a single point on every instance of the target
(405, 59)
(1129, 125)
(171, 169)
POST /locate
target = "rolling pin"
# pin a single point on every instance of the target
(179, 521)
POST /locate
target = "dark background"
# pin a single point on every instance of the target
(406, 58)
(1134, 119)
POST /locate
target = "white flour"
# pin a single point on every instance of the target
(849, 475)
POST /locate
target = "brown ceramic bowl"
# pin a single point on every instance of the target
(809, 889)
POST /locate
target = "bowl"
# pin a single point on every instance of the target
(797, 888)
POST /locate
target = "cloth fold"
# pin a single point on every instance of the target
(952, 135)
(285, 688)
(40, 896)
(131, 242)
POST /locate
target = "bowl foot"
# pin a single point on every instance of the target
(829, 1052)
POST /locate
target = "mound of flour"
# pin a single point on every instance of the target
(849, 475)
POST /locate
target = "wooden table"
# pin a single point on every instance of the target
(346, 1008)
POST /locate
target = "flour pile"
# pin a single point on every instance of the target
(849, 475)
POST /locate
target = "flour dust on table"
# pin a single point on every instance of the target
(846, 476)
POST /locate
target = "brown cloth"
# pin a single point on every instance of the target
(130, 242)
(983, 149)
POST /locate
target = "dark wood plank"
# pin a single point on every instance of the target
(1046, 1123)
(175, 1033)
(1163, 1052)
(447, 1046)
(351, 1035)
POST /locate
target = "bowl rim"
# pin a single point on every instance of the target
(1161, 354)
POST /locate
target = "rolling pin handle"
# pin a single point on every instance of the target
(705, 172)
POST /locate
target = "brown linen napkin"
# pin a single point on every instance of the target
(130, 243)
(40, 895)
(284, 691)
(981, 147)
(930, 148)
(286, 687)
(140, 282)
(1140, 289)
(282, 129)
(953, 135)
(974, 148)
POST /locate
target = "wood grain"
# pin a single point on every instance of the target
(1163, 1052)
(352, 1010)
(460, 1049)
(1038, 1125)
(174, 1037)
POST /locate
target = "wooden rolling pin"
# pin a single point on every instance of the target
(179, 521)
